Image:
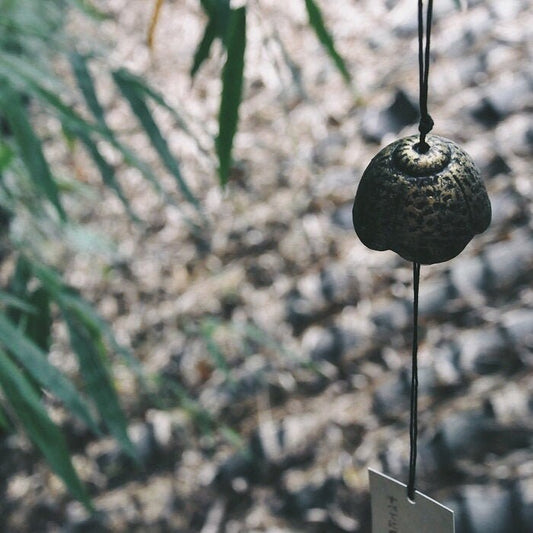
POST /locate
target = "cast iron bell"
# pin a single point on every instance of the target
(425, 206)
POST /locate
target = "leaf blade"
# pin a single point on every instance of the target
(41, 430)
(317, 23)
(86, 85)
(89, 350)
(30, 149)
(232, 82)
(144, 116)
(35, 362)
(204, 47)
(106, 171)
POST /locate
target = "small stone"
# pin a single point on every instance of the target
(342, 217)
(469, 277)
(323, 344)
(489, 509)
(509, 261)
(525, 489)
(506, 208)
(519, 326)
(286, 443)
(483, 351)
(394, 316)
(391, 399)
(401, 112)
(434, 297)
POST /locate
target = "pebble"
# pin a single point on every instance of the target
(487, 509)
(287, 443)
(484, 351)
(342, 217)
(509, 261)
(401, 112)
(393, 316)
(323, 343)
(518, 325)
(469, 276)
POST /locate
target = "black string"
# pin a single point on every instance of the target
(413, 425)
(426, 122)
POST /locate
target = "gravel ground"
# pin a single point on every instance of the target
(281, 344)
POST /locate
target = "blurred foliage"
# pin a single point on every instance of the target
(34, 211)
(229, 26)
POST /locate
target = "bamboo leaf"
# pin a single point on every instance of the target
(41, 430)
(219, 12)
(6, 156)
(39, 325)
(14, 302)
(18, 70)
(38, 367)
(202, 52)
(30, 149)
(106, 171)
(73, 304)
(145, 89)
(232, 81)
(86, 85)
(88, 346)
(141, 111)
(317, 23)
(4, 422)
(18, 287)
(72, 121)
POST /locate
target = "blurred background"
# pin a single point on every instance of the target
(259, 353)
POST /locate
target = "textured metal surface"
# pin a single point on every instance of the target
(424, 206)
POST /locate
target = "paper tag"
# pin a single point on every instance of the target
(393, 512)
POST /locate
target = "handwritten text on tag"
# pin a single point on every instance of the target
(392, 512)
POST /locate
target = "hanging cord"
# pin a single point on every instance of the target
(426, 122)
(413, 424)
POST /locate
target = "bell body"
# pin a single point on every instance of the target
(424, 206)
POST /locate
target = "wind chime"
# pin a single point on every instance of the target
(422, 197)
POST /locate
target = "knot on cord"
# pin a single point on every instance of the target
(424, 127)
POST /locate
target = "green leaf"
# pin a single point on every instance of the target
(4, 422)
(106, 171)
(73, 304)
(146, 89)
(141, 111)
(18, 284)
(19, 71)
(317, 23)
(6, 156)
(202, 52)
(20, 278)
(72, 121)
(88, 346)
(86, 85)
(30, 149)
(232, 81)
(39, 326)
(14, 302)
(38, 367)
(41, 430)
